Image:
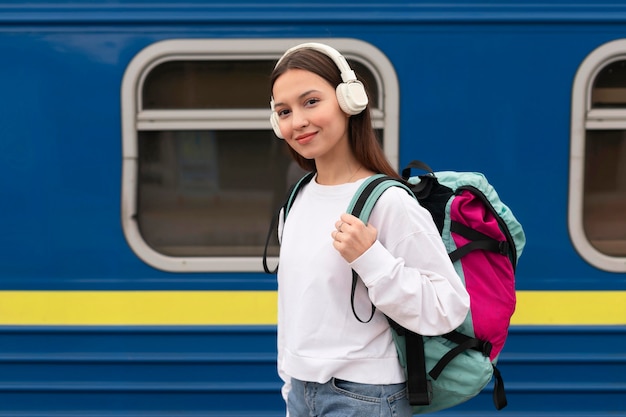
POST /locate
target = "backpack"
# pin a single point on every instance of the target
(484, 241)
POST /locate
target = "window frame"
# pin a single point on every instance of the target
(134, 119)
(585, 118)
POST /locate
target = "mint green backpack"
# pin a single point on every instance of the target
(484, 240)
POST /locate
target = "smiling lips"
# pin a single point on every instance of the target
(305, 138)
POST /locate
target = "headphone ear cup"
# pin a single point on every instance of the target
(274, 122)
(352, 97)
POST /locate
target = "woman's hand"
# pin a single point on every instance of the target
(352, 237)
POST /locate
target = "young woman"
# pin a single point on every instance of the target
(332, 364)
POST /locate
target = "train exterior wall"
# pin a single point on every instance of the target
(87, 328)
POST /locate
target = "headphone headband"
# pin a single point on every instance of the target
(347, 74)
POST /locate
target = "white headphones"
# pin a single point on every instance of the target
(351, 94)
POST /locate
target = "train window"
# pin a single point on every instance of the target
(185, 84)
(203, 173)
(609, 87)
(188, 84)
(598, 158)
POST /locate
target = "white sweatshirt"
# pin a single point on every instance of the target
(406, 274)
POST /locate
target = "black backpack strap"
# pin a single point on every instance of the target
(511, 249)
(368, 194)
(459, 338)
(355, 280)
(291, 197)
(295, 189)
(463, 343)
(361, 206)
(406, 172)
(499, 395)
(270, 233)
(418, 386)
(478, 241)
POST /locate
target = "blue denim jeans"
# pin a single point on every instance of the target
(339, 398)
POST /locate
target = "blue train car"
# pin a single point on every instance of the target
(139, 172)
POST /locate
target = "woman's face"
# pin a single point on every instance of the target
(309, 116)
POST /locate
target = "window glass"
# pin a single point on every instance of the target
(367, 78)
(208, 85)
(604, 203)
(219, 84)
(209, 193)
(609, 87)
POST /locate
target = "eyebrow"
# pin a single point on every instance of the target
(306, 93)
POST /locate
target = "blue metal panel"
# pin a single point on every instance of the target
(132, 371)
(231, 371)
(483, 87)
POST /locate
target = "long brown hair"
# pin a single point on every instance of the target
(361, 134)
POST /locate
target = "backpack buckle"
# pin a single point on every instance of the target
(503, 247)
(487, 346)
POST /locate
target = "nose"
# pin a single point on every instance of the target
(299, 120)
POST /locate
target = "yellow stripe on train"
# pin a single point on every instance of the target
(138, 308)
(171, 308)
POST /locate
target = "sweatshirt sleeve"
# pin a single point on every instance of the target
(407, 270)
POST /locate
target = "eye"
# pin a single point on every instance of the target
(282, 112)
(311, 101)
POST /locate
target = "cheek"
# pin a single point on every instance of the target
(334, 119)
(285, 128)
(339, 124)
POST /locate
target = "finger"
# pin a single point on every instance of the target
(352, 221)
(349, 218)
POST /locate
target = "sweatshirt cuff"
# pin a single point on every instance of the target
(374, 263)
